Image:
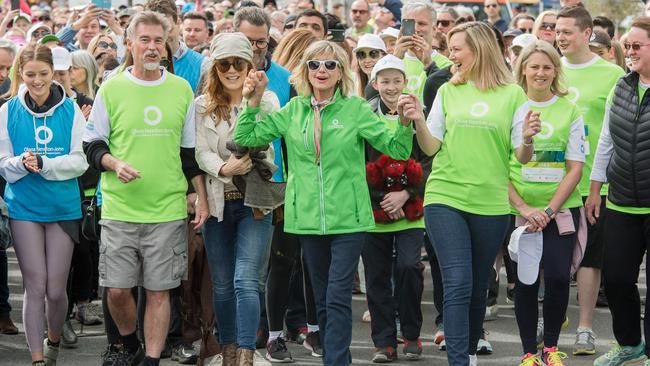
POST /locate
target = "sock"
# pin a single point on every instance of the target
(53, 344)
(150, 361)
(131, 342)
(273, 335)
(312, 328)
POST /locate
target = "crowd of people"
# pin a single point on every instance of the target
(209, 179)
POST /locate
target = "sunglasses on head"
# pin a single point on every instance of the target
(106, 45)
(330, 65)
(373, 54)
(634, 46)
(224, 65)
(549, 26)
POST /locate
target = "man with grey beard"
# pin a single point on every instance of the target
(140, 134)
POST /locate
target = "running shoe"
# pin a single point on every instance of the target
(530, 359)
(366, 316)
(483, 347)
(68, 337)
(384, 355)
(540, 330)
(440, 334)
(412, 349)
(491, 312)
(185, 354)
(297, 335)
(50, 353)
(276, 351)
(89, 314)
(442, 346)
(312, 343)
(585, 344)
(473, 360)
(618, 355)
(510, 295)
(552, 357)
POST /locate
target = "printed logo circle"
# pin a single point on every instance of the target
(47, 133)
(413, 83)
(546, 131)
(152, 115)
(479, 109)
(574, 94)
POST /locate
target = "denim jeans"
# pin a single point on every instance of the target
(236, 249)
(5, 308)
(466, 246)
(332, 261)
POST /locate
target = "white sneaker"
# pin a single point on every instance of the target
(366, 316)
(473, 361)
(491, 312)
(442, 346)
(217, 360)
(260, 360)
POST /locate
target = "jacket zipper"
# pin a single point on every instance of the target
(322, 196)
(634, 141)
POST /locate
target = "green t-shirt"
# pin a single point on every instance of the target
(415, 76)
(356, 34)
(478, 130)
(145, 124)
(403, 224)
(588, 85)
(440, 60)
(561, 139)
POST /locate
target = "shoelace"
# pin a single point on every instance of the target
(555, 358)
(530, 360)
(584, 336)
(616, 348)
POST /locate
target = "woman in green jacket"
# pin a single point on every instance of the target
(327, 201)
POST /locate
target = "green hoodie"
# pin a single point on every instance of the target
(331, 197)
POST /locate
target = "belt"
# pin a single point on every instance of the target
(233, 195)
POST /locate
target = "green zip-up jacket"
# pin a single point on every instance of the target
(330, 197)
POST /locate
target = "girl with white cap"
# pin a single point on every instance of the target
(369, 50)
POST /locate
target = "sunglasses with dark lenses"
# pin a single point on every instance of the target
(238, 63)
(549, 26)
(289, 26)
(444, 23)
(330, 65)
(526, 30)
(42, 33)
(373, 54)
(491, 5)
(634, 46)
(44, 18)
(106, 45)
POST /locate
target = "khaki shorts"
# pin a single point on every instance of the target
(150, 255)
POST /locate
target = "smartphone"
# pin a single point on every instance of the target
(408, 27)
(338, 35)
(102, 4)
(15, 4)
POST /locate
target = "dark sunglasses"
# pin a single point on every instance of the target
(357, 11)
(549, 26)
(491, 6)
(444, 23)
(106, 45)
(373, 54)
(44, 18)
(289, 26)
(42, 33)
(526, 30)
(330, 65)
(224, 65)
(634, 46)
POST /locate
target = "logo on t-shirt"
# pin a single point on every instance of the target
(43, 135)
(547, 131)
(336, 124)
(574, 94)
(152, 115)
(479, 109)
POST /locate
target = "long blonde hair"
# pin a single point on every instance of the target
(547, 49)
(537, 26)
(289, 51)
(300, 77)
(33, 52)
(488, 70)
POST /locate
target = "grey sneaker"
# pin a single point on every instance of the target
(50, 353)
(68, 337)
(585, 342)
(89, 314)
(277, 352)
(540, 333)
(622, 356)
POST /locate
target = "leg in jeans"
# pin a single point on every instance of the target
(436, 279)
(625, 244)
(409, 281)
(310, 303)
(296, 309)
(377, 255)
(332, 261)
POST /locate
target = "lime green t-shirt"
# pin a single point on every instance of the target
(561, 139)
(478, 130)
(356, 34)
(588, 85)
(415, 76)
(145, 124)
(610, 205)
(440, 60)
(403, 224)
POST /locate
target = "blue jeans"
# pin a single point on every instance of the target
(466, 245)
(332, 262)
(236, 249)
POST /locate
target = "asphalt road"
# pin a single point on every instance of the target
(503, 334)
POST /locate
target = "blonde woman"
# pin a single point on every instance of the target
(466, 197)
(544, 27)
(83, 73)
(103, 43)
(289, 52)
(327, 200)
(545, 200)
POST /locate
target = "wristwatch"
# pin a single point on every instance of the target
(549, 211)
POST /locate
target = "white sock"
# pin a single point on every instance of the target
(273, 335)
(312, 328)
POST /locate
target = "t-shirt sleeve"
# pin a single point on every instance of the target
(436, 118)
(188, 139)
(518, 117)
(98, 126)
(575, 149)
(604, 150)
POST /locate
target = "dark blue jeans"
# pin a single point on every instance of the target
(332, 261)
(236, 249)
(5, 308)
(466, 246)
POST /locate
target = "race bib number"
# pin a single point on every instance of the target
(545, 167)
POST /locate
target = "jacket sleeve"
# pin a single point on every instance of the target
(11, 166)
(209, 161)
(249, 132)
(66, 35)
(397, 145)
(72, 164)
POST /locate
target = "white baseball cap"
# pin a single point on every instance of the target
(61, 59)
(385, 63)
(370, 41)
(523, 40)
(36, 27)
(389, 32)
(526, 249)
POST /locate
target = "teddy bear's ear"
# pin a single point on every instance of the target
(374, 175)
(414, 172)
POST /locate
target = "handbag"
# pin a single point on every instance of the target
(90, 228)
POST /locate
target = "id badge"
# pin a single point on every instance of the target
(545, 167)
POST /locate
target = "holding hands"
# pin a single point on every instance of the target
(254, 87)
(409, 109)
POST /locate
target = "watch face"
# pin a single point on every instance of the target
(549, 212)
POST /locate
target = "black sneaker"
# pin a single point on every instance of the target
(276, 351)
(131, 359)
(167, 351)
(112, 353)
(262, 338)
(312, 343)
(297, 335)
(510, 295)
(185, 354)
(601, 301)
(384, 355)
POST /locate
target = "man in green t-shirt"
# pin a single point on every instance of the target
(140, 134)
(360, 15)
(589, 80)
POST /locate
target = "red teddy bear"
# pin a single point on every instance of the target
(389, 175)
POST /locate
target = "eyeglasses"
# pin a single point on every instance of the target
(491, 6)
(106, 45)
(42, 33)
(373, 54)
(526, 30)
(549, 26)
(444, 23)
(634, 46)
(259, 43)
(330, 65)
(238, 63)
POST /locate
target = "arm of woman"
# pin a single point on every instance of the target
(397, 145)
(72, 164)
(208, 160)
(537, 220)
(12, 168)
(429, 134)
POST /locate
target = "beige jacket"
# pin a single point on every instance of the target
(211, 152)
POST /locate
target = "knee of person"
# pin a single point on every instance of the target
(459, 292)
(247, 284)
(410, 268)
(157, 297)
(119, 295)
(36, 289)
(223, 289)
(56, 294)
